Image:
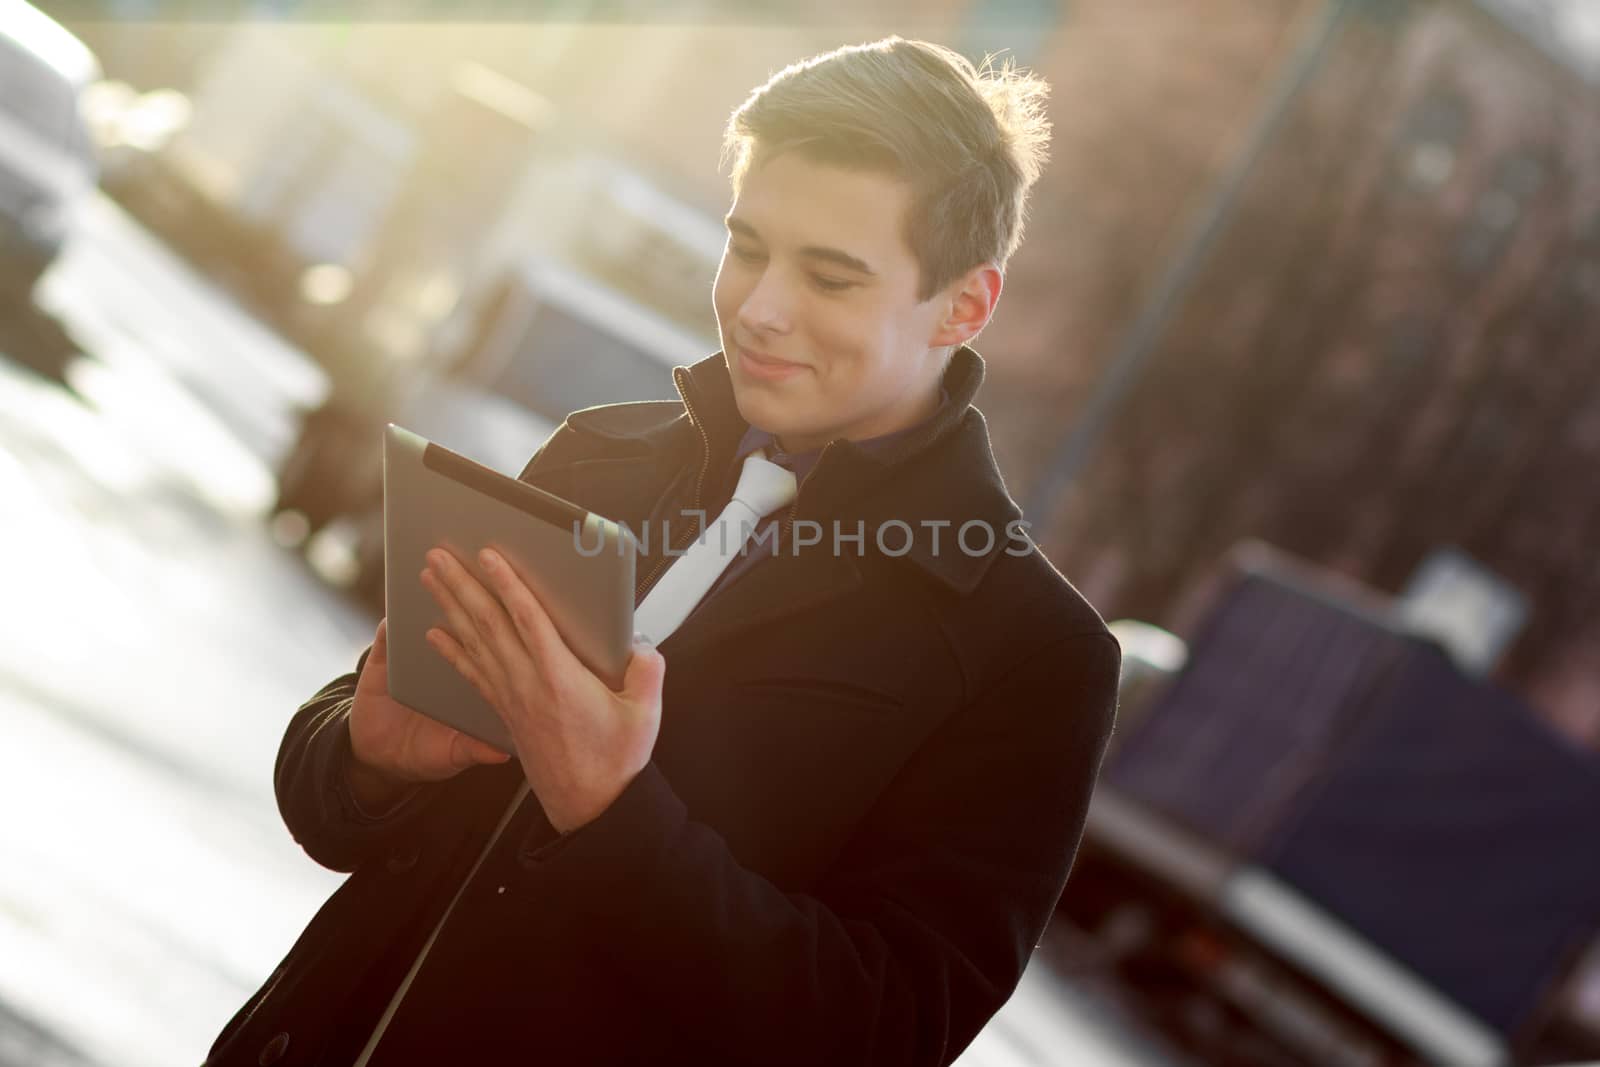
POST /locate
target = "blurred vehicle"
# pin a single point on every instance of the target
(544, 341)
(409, 200)
(47, 163)
(129, 128)
(1322, 838)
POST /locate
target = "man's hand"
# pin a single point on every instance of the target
(395, 746)
(579, 742)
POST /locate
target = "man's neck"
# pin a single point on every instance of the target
(924, 410)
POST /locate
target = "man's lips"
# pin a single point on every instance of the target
(761, 365)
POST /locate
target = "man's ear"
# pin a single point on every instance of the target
(972, 299)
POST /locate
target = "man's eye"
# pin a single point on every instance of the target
(831, 285)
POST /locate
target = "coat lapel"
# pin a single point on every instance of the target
(945, 473)
(770, 591)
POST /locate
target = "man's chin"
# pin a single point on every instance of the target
(759, 411)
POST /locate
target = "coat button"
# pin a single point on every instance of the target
(403, 859)
(273, 1050)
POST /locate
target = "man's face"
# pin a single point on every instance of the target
(816, 300)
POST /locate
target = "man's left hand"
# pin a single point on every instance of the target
(580, 742)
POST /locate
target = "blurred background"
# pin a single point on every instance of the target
(1294, 374)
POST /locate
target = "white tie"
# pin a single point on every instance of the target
(763, 488)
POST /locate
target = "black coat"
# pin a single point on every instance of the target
(870, 781)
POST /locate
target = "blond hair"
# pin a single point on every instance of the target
(970, 140)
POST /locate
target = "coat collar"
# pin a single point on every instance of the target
(919, 492)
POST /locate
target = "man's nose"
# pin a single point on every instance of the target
(766, 308)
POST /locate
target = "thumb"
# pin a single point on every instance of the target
(646, 670)
(469, 751)
(485, 753)
(461, 752)
(380, 643)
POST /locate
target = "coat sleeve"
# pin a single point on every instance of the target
(313, 790)
(918, 932)
(309, 777)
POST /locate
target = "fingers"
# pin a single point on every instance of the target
(488, 614)
(473, 619)
(532, 623)
(457, 657)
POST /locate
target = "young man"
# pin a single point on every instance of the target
(827, 819)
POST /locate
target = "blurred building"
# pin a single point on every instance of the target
(1387, 352)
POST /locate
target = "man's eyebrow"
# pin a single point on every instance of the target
(838, 256)
(832, 255)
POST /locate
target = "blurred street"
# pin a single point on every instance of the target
(148, 886)
(163, 639)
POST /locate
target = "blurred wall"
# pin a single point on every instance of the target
(1388, 352)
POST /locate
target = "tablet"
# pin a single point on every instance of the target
(578, 564)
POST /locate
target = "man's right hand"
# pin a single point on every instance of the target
(396, 747)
